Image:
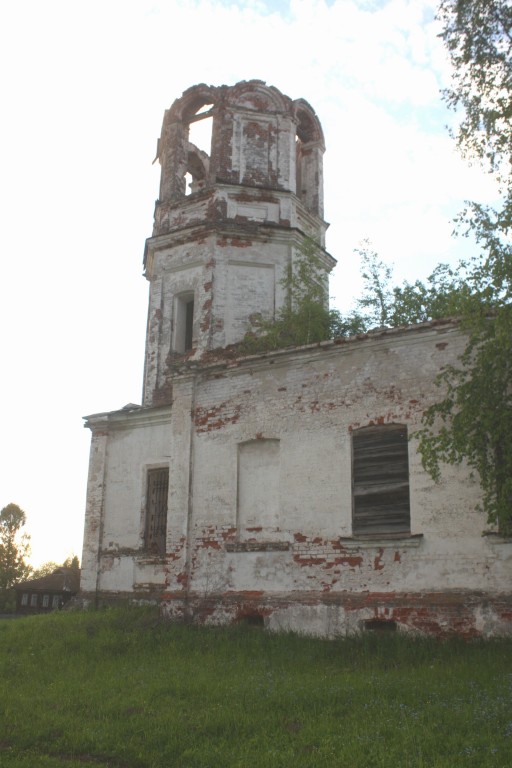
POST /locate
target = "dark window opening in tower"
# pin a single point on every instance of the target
(183, 323)
(298, 168)
(189, 323)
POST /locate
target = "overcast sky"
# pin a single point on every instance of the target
(84, 88)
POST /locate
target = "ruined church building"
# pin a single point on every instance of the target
(279, 488)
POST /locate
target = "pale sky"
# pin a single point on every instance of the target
(84, 88)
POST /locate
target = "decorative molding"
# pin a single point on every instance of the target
(382, 541)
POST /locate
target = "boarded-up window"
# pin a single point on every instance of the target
(258, 487)
(380, 473)
(156, 510)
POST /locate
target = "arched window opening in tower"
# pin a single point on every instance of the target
(199, 149)
(200, 129)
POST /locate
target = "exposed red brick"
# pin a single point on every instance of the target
(207, 420)
(209, 544)
(308, 560)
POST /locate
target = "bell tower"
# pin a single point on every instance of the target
(228, 224)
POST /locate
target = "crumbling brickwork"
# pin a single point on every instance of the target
(226, 242)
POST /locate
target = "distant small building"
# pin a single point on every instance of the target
(49, 593)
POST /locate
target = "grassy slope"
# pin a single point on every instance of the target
(119, 688)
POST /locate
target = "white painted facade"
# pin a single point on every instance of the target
(261, 512)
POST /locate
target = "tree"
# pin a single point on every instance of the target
(472, 422)
(478, 37)
(14, 549)
(444, 294)
(72, 561)
(305, 317)
(46, 569)
(375, 302)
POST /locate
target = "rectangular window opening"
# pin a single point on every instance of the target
(184, 323)
(380, 477)
(156, 510)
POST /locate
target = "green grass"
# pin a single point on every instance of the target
(120, 688)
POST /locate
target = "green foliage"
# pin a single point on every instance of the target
(155, 694)
(14, 549)
(445, 293)
(472, 421)
(46, 569)
(375, 302)
(72, 562)
(305, 317)
(477, 36)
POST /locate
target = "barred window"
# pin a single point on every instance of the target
(156, 510)
(380, 472)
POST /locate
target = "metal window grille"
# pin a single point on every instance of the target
(380, 472)
(156, 511)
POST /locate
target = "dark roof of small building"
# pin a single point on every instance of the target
(61, 580)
